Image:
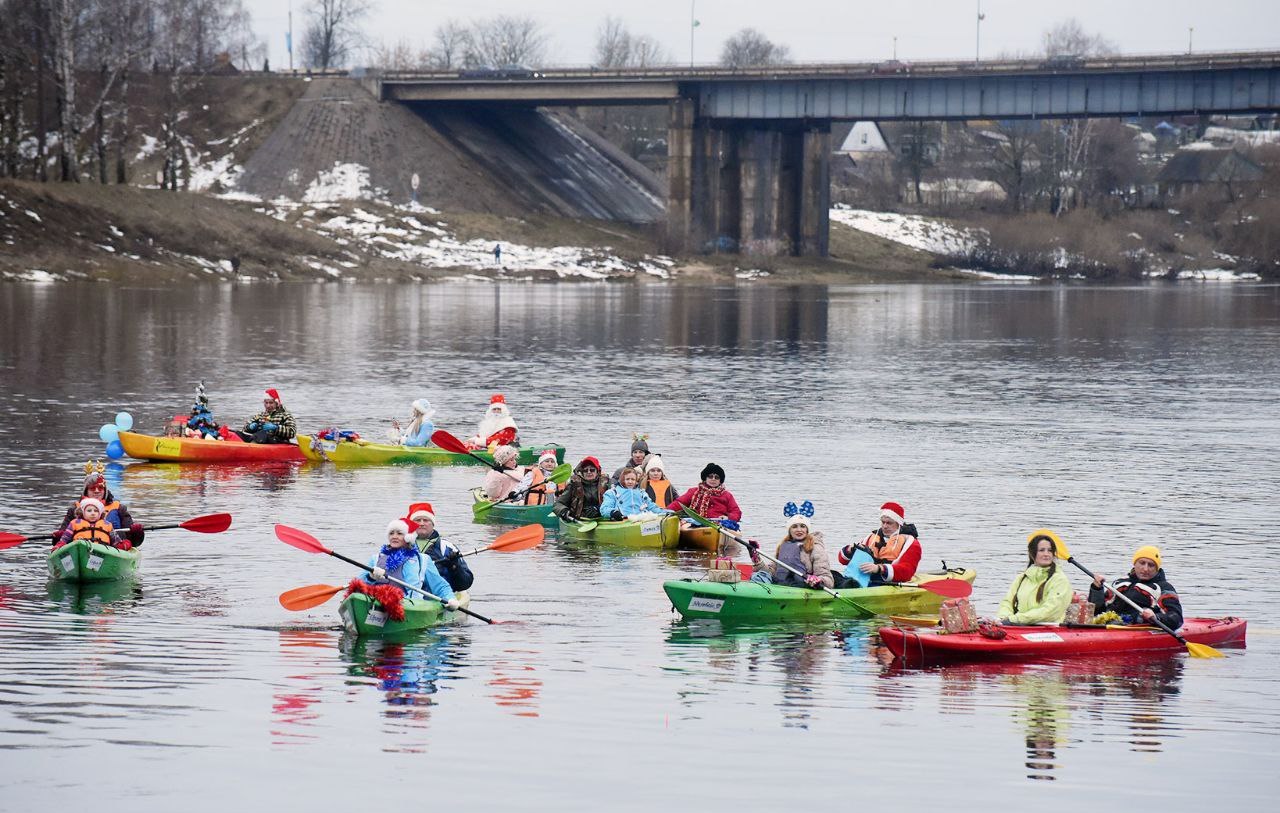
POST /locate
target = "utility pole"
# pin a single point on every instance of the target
(895, 49)
(1191, 31)
(288, 40)
(977, 40)
(693, 23)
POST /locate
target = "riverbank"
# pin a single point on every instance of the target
(51, 232)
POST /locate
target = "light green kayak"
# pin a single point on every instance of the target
(512, 513)
(660, 532)
(364, 616)
(366, 453)
(750, 601)
(83, 561)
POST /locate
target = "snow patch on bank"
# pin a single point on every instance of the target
(921, 233)
(347, 181)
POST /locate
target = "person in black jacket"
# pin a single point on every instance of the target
(446, 556)
(1145, 586)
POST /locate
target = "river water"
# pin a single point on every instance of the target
(1117, 416)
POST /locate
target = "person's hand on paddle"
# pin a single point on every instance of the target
(452, 604)
(1099, 580)
(378, 574)
(617, 516)
(452, 556)
(753, 550)
(813, 580)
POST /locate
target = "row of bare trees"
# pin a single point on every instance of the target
(65, 70)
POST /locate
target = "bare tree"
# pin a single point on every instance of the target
(400, 56)
(1068, 38)
(332, 31)
(450, 45)
(506, 40)
(617, 48)
(750, 49)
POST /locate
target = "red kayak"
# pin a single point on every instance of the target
(193, 450)
(924, 646)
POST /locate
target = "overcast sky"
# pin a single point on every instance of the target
(824, 30)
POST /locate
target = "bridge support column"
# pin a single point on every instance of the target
(747, 187)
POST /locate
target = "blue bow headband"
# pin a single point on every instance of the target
(805, 509)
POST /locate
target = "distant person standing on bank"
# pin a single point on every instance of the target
(497, 253)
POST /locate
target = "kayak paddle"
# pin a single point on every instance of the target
(449, 443)
(951, 588)
(587, 526)
(306, 542)
(559, 476)
(742, 540)
(1061, 550)
(304, 598)
(207, 524)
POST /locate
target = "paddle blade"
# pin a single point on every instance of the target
(561, 474)
(208, 524)
(11, 540)
(448, 442)
(304, 598)
(1203, 651)
(529, 536)
(1060, 548)
(698, 518)
(951, 588)
(587, 527)
(300, 539)
(481, 508)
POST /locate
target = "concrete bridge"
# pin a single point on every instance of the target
(749, 149)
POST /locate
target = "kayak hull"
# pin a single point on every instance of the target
(629, 533)
(513, 513)
(364, 617)
(194, 450)
(81, 561)
(760, 603)
(702, 538)
(375, 454)
(1052, 642)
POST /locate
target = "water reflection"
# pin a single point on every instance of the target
(96, 598)
(295, 707)
(515, 683)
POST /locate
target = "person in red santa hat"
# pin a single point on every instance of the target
(273, 424)
(445, 556)
(895, 550)
(497, 427)
(399, 559)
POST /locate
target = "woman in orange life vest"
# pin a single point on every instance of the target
(655, 482)
(895, 550)
(92, 527)
(541, 490)
(113, 511)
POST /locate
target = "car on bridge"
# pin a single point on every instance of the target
(890, 67)
(499, 72)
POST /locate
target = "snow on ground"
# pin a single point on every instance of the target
(1218, 275)
(149, 145)
(343, 182)
(922, 233)
(223, 171)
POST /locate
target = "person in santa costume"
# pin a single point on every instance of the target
(497, 427)
(399, 559)
(895, 550)
(273, 424)
(444, 555)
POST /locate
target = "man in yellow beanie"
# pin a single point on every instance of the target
(1145, 586)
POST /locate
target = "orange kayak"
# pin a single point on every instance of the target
(192, 450)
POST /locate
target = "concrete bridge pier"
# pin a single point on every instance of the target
(747, 186)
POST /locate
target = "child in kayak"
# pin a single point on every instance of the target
(639, 451)
(420, 428)
(895, 552)
(802, 548)
(445, 556)
(1041, 593)
(542, 490)
(655, 482)
(1145, 586)
(498, 485)
(711, 499)
(626, 500)
(113, 511)
(398, 559)
(91, 526)
(584, 493)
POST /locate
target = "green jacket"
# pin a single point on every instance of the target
(1051, 608)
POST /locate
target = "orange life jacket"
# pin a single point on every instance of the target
(891, 549)
(542, 490)
(658, 490)
(99, 531)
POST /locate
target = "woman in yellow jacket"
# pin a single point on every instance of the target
(1042, 593)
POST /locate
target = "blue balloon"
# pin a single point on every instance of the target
(108, 433)
(114, 450)
(124, 421)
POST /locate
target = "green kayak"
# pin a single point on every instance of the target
(82, 561)
(364, 616)
(512, 513)
(750, 601)
(660, 532)
(365, 453)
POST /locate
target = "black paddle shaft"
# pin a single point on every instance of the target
(1126, 600)
(406, 585)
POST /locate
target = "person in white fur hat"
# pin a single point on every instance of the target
(399, 559)
(497, 427)
(542, 490)
(420, 428)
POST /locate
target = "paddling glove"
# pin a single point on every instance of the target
(253, 426)
(270, 427)
(136, 534)
(451, 604)
(378, 574)
(617, 516)
(813, 580)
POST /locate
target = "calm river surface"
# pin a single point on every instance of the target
(1117, 416)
